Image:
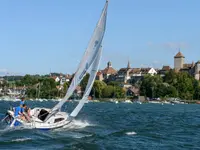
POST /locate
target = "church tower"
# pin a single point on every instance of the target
(178, 61)
(129, 65)
(109, 64)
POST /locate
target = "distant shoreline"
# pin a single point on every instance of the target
(114, 100)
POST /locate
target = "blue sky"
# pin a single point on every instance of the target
(38, 36)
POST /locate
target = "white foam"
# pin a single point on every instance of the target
(79, 136)
(21, 139)
(8, 129)
(131, 133)
(78, 124)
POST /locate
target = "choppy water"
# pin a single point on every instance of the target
(112, 126)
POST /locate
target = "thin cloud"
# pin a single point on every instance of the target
(176, 45)
(3, 70)
(169, 45)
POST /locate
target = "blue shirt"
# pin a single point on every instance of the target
(17, 110)
(21, 102)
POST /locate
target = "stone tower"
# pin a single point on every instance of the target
(178, 61)
(197, 70)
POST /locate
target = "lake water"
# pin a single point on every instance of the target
(110, 126)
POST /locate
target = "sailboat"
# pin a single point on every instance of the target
(46, 118)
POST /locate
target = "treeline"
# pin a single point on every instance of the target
(12, 78)
(39, 86)
(173, 84)
(46, 87)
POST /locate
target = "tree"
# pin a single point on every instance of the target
(114, 83)
(150, 85)
(184, 85)
(196, 85)
(166, 90)
(84, 82)
(108, 91)
(119, 92)
(171, 91)
(171, 77)
(48, 88)
(29, 80)
(99, 86)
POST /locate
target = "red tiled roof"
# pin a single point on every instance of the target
(99, 73)
(109, 70)
(135, 70)
(166, 68)
(179, 55)
(145, 70)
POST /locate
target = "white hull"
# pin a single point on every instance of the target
(37, 118)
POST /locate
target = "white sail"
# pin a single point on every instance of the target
(88, 58)
(93, 72)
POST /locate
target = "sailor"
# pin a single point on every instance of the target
(27, 110)
(22, 100)
(19, 111)
(26, 113)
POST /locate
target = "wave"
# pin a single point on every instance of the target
(21, 139)
(131, 133)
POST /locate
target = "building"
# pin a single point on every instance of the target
(193, 69)
(150, 71)
(130, 75)
(133, 91)
(109, 72)
(164, 70)
(56, 79)
(178, 61)
(99, 76)
(61, 78)
(68, 77)
(197, 70)
(123, 74)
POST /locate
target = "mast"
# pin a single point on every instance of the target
(88, 58)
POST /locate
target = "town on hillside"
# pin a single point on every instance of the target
(129, 81)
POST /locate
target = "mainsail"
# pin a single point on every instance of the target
(88, 58)
(93, 72)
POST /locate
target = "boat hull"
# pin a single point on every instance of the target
(36, 121)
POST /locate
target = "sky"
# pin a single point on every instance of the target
(43, 36)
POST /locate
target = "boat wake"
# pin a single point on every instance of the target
(77, 124)
(7, 129)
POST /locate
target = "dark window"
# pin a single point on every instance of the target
(43, 114)
(58, 120)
